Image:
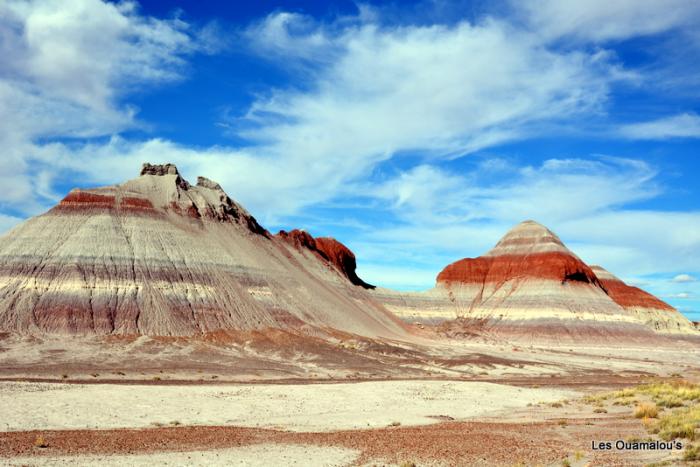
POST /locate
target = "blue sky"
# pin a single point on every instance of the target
(416, 133)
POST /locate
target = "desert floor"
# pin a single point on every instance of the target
(154, 402)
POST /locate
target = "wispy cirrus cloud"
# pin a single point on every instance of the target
(683, 278)
(602, 20)
(686, 125)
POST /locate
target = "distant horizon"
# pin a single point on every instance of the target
(415, 133)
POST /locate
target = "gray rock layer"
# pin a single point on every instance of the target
(158, 256)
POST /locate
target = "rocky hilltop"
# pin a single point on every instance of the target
(530, 285)
(329, 250)
(159, 256)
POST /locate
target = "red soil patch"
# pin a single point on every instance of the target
(454, 443)
(451, 442)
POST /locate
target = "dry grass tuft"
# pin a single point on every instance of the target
(646, 410)
(680, 423)
(692, 453)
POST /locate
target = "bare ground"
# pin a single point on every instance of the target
(433, 427)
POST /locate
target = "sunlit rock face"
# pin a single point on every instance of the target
(654, 312)
(530, 286)
(329, 250)
(159, 256)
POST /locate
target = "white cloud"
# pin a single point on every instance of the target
(678, 126)
(552, 192)
(682, 278)
(370, 92)
(285, 34)
(65, 65)
(601, 20)
(679, 295)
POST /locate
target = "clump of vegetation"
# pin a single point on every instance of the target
(565, 463)
(40, 442)
(407, 464)
(94, 375)
(670, 402)
(679, 423)
(692, 453)
(64, 376)
(175, 423)
(395, 424)
(646, 410)
(156, 378)
(556, 405)
(677, 390)
(628, 392)
(626, 401)
(600, 410)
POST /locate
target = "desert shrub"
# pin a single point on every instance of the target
(672, 391)
(646, 410)
(597, 398)
(628, 392)
(680, 423)
(692, 453)
(600, 410)
(669, 401)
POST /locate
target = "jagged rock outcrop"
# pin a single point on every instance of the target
(531, 286)
(328, 249)
(158, 256)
